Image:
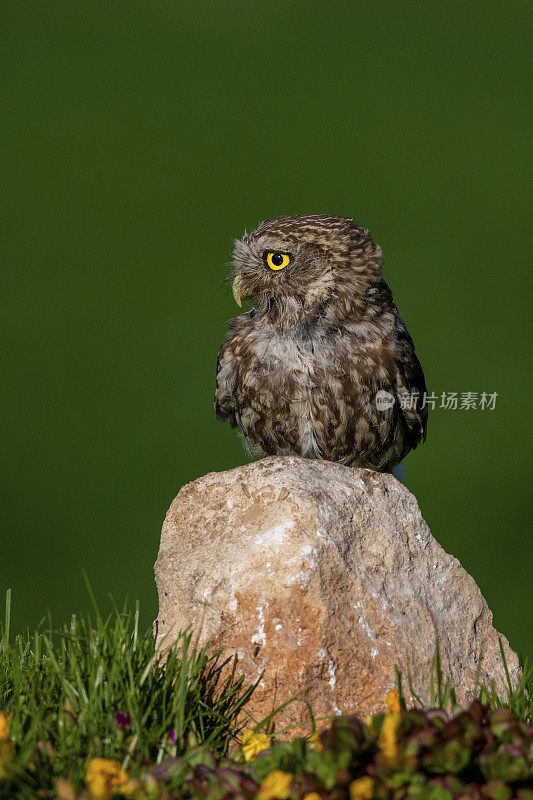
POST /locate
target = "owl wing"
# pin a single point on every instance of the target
(410, 389)
(225, 408)
(227, 374)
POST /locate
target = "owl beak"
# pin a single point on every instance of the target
(237, 290)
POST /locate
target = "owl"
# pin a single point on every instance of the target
(322, 366)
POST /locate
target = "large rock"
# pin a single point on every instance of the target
(323, 578)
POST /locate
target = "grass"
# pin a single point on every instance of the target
(95, 689)
(518, 699)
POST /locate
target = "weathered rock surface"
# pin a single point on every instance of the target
(322, 577)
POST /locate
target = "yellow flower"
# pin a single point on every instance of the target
(7, 751)
(276, 786)
(315, 743)
(3, 726)
(361, 789)
(393, 700)
(368, 720)
(253, 743)
(106, 777)
(312, 796)
(387, 741)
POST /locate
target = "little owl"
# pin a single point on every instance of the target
(323, 365)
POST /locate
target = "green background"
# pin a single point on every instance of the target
(138, 140)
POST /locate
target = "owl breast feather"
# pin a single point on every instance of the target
(310, 394)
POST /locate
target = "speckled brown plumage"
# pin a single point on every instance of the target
(299, 373)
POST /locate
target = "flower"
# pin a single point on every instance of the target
(361, 788)
(387, 741)
(368, 720)
(122, 720)
(106, 777)
(393, 700)
(172, 736)
(7, 751)
(253, 743)
(276, 786)
(316, 745)
(312, 796)
(3, 725)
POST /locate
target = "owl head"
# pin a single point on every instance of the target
(299, 267)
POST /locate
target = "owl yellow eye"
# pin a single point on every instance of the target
(277, 260)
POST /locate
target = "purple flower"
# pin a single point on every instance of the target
(122, 720)
(172, 736)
